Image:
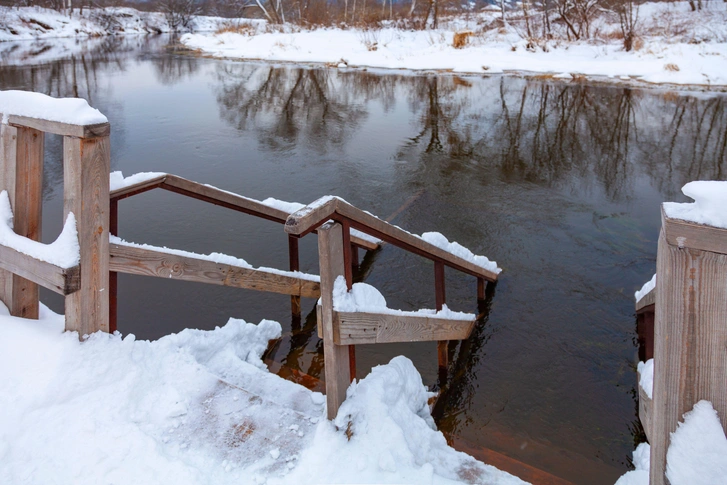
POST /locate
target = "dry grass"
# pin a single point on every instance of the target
(461, 39)
(236, 28)
(671, 67)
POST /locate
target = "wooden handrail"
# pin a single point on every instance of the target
(59, 128)
(213, 195)
(63, 281)
(326, 208)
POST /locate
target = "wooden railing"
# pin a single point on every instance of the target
(334, 219)
(682, 323)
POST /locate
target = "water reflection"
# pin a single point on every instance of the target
(560, 183)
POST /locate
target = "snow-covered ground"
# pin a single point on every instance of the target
(30, 23)
(199, 407)
(676, 46)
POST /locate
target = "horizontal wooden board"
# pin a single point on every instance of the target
(147, 262)
(61, 280)
(138, 188)
(647, 300)
(58, 128)
(695, 236)
(304, 221)
(375, 328)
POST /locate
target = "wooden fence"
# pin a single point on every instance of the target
(683, 322)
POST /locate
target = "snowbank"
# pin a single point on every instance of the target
(679, 47)
(30, 23)
(366, 298)
(646, 379)
(697, 454)
(648, 286)
(36, 105)
(709, 206)
(199, 407)
(64, 252)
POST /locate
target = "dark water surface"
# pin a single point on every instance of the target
(560, 184)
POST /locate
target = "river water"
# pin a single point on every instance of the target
(559, 183)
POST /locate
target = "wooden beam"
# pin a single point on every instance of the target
(86, 167)
(376, 328)
(27, 212)
(695, 236)
(336, 357)
(63, 129)
(61, 280)
(307, 219)
(137, 188)
(646, 301)
(148, 262)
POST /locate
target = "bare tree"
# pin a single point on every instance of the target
(180, 14)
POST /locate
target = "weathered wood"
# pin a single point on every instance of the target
(27, 212)
(148, 262)
(690, 357)
(375, 328)
(307, 219)
(63, 129)
(61, 280)
(113, 275)
(695, 236)
(8, 160)
(481, 285)
(645, 331)
(645, 411)
(645, 301)
(336, 357)
(440, 298)
(294, 265)
(137, 188)
(86, 167)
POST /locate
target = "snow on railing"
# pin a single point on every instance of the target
(75, 111)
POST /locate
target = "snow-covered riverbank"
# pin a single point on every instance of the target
(32, 23)
(696, 56)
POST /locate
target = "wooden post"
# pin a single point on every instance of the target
(690, 358)
(481, 285)
(113, 275)
(86, 167)
(294, 264)
(442, 346)
(26, 187)
(348, 262)
(336, 357)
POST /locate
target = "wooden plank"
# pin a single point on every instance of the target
(137, 188)
(307, 219)
(696, 236)
(645, 301)
(86, 167)
(645, 411)
(8, 160)
(376, 328)
(27, 212)
(63, 129)
(61, 280)
(148, 262)
(336, 357)
(690, 361)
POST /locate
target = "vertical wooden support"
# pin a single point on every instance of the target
(8, 160)
(86, 166)
(27, 211)
(113, 275)
(690, 357)
(354, 258)
(294, 264)
(336, 357)
(442, 346)
(348, 263)
(481, 285)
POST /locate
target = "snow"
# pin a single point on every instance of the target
(74, 111)
(646, 379)
(32, 23)
(118, 181)
(694, 52)
(366, 298)
(648, 286)
(64, 252)
(709, 206)
(697, 453)
(640, 474)
(438, 240)
(218, 258)
(200, 408)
